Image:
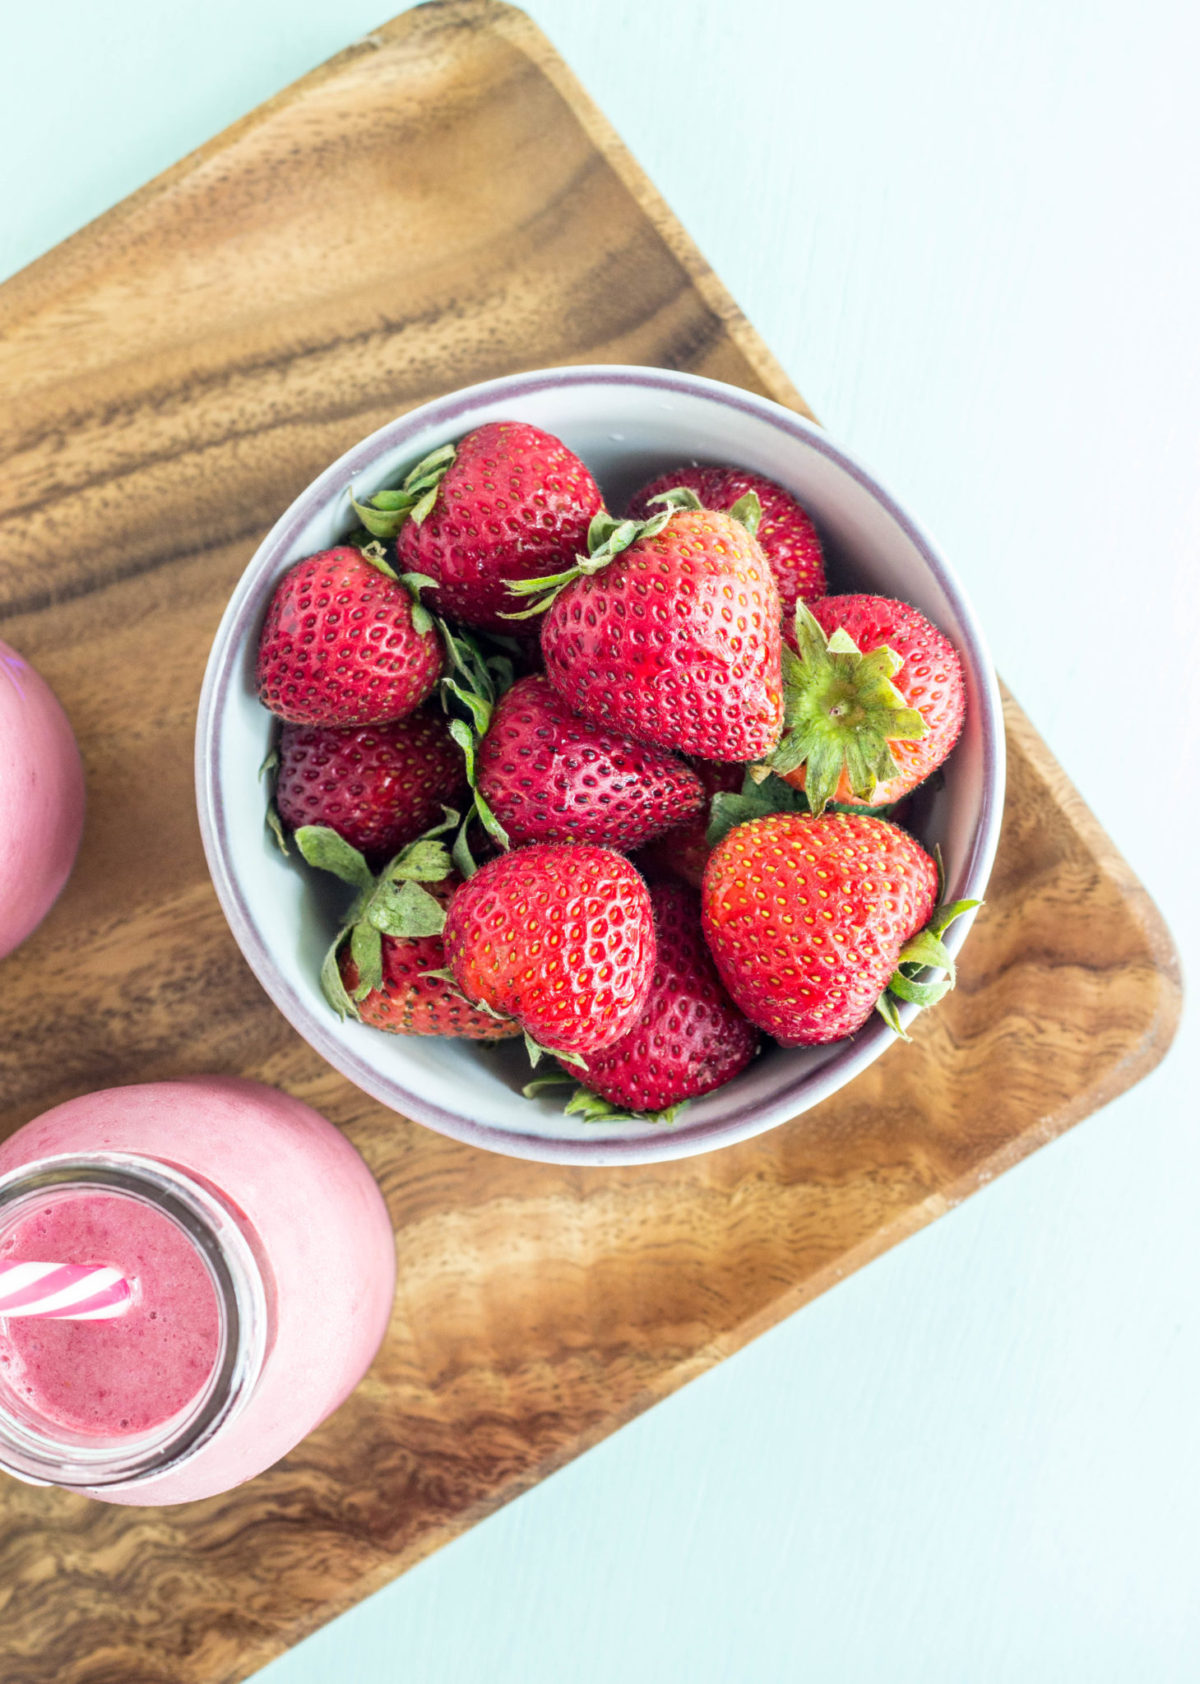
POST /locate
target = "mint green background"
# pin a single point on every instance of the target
(970, 234)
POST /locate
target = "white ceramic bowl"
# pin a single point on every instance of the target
(628, 424)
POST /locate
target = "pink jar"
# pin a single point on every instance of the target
(41, 799)
(263, 1265)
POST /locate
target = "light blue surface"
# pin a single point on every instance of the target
(970, 234)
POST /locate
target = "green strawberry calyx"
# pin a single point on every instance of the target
(475, 678)
(390, 903)
(274, 818)
(589, 1107)
(747, 511)
(841, 713)
(374, 553)
(386, 511)
(537, 1052)
(925, 950)
(760, 796)
(608, 537)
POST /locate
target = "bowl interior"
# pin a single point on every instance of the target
(628, 425)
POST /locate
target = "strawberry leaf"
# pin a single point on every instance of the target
(886, 1007)
(926, 948)
(478, 707)
(944, 916)
(385, 512)
(763, 793)
(392, 904)
(406, 910)
(376, 555)
(332, 986)
(747, 511)
(460, 853)
(426, 861)
(537, 1052)
(366, 949)
(475, 683)
(423, 505)
(754, 801)
(920, 993)
(539, 1085)
(490, 822)
(466, 740)
(275, 826)
(678, 497)
(546, 587)
(589, 1107)
(607, 538)
(925, 951)
(328, 851)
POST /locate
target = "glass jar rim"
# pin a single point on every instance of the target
(47, 1454)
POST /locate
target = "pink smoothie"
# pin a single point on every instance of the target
(41, 799)
(310, 1210)
(122, 1376)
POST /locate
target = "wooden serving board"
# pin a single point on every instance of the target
(439, 204)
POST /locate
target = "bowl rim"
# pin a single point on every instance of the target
(243, 611)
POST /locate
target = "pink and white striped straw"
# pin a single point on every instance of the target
(66, 1291)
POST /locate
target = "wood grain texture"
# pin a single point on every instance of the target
(437, 205)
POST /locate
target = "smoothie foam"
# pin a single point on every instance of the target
(123, 1376)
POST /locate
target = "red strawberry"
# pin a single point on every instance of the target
(550, 776)
(378, 786)
(559, 937)
(339, 647)
(690, 1037)
(408, 1002)
(684, 850)
(670, 634)
(510, 502)
(788, 537)
(866, 726)
(808, 918)
(387, 962)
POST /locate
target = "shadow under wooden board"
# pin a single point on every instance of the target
(437, 205)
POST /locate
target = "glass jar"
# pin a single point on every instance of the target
(251, 1224)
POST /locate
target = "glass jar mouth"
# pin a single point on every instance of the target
(44, 1453)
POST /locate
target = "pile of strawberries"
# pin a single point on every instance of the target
(615, 784)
